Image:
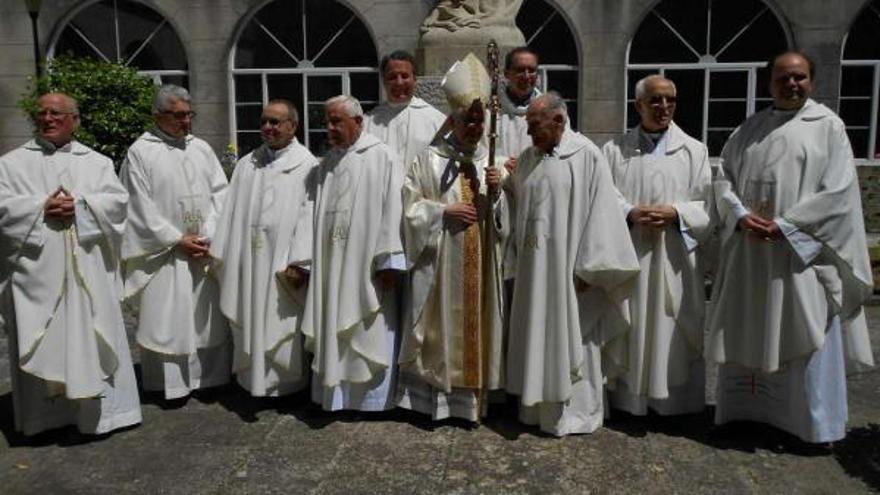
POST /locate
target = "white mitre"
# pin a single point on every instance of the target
(467, 80)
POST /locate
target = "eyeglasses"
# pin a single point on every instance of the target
(180, 115)
(659, 101)
(520, 71)
(52, 113)
(272, 121)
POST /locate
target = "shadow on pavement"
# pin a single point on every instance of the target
(67, 436)
(744, 436)
(859, 454)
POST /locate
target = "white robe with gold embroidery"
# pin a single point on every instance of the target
(568, 224)
(786, 313)
(665, 345)
(265, 213)
(349, 323)
(174, 190)
(435, 372)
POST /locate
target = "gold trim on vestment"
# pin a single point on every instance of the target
(471, 297)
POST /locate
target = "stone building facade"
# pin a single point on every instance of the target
(607, 44)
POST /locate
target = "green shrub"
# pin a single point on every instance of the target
(115, 103)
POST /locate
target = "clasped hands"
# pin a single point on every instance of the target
(654, 216)
(59, 205)
(760, 227)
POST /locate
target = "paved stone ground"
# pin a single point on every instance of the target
(223, 441)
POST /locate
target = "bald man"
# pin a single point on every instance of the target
(62, 215)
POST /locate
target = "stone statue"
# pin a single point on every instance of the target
(452, 15)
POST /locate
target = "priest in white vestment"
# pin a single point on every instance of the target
(351, 313)
(787, 313)
(574, 264)
(665, 179)
(451, 353)
(406, 123)
(62, 215)
(176, 188)
(262, 295)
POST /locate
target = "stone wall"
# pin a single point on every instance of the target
(208, 29)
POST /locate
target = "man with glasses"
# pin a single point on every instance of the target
(787, 319)
(518, 89)
(260, 292)
(665, 180)
(176, 187)
(62, 215)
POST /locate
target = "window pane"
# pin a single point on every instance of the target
(654, 43)
(856, 112)
(352, 48)
(248, 88)
(247, 142)
(365, 87)
(322, 88)
(318, 143)
(145, 40)
(726, 113)
(555, 43)
(859, 141)
(286, 86)
(861, 43)
(248, 117)
(728, 84)
(716, 140)
(689, 110)
(182, 81)
(763, 39)
(856, 81)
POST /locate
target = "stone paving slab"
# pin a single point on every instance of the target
(222, 441)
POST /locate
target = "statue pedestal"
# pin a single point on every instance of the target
(439, 49)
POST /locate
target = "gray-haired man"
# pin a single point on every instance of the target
(177, 187)
(351, 310)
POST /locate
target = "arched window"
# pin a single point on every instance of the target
(860, 83)
(715, 52)
(127, 32)
(548, 34)
(305, 51)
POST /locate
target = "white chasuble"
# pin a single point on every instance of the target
(665, 343)
(356, 230)
(777, 306)
(265, 212)
(407, 129)
(568, 225)
(770, 305)
(175, 188)
(513, 130)
(453, 344)
(61, 288)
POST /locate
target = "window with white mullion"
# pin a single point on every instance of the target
(305, 51)
(125, 32)
(550, 37)
(714, 51)
(860, 83)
